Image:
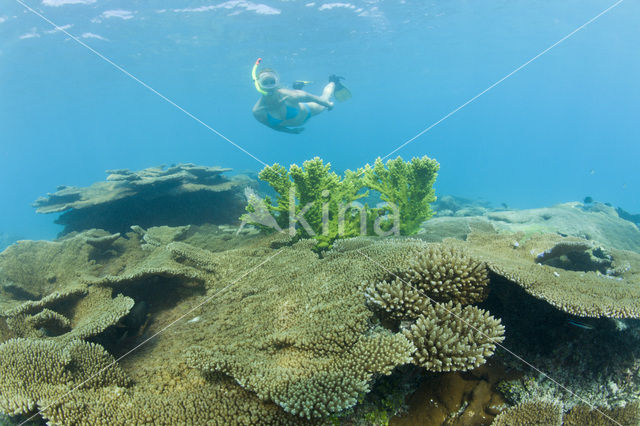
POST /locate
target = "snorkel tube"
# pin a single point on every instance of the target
(255, 77)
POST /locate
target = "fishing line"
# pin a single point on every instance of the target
(181, 317)
(128, 74)
(265, 164)
(500, 345)
(502, 79)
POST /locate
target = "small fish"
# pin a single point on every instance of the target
(580, 325)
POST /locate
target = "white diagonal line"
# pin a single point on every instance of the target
(472, 326)
(145, 85)
(207, 300)
(502, 79)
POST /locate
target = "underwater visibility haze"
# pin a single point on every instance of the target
(558, 130)
(137, 186)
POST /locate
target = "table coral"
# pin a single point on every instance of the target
(530, 413)
(540, 412)
(284, 336)
(35, 372)
(181, 194)
(581, 293)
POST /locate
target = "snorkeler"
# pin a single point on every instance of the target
(286, 110)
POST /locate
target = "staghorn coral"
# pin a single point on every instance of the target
(531, 413)
(325, 296)
(158, 264)
(42, 324)
(316, 197)
(194, 256)
(73, 291)
(446, 274)
(158, 403)
(191, 400)
(330, 299)
(449, 337)
(100, 241)
(588, 294)
(81, 317)
(97, 311)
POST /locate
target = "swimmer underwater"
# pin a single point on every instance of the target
(286, 110)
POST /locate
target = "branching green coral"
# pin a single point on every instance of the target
(406, 185)
(325, 205)
(314, 197)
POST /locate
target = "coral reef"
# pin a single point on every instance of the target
(584, 415)
(178, 195)
(37, 371)
(261, 329)
(429, 273)
(423, 289)
(540, 412)
(7, 239)
(578, 292)
(598, 224)
(444, 274)
(531, 413)
(456, 398)
(283, 336)
(449, 205)
(577, 255)
(449, 337)
(596, 360)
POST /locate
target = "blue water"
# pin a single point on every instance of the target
(562, 128)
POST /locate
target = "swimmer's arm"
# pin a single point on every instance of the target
(296, 96)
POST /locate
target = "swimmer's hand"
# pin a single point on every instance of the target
(329, 106)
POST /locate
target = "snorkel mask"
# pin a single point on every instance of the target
(266, 80)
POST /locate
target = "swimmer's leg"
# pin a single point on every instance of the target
(327, 93)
